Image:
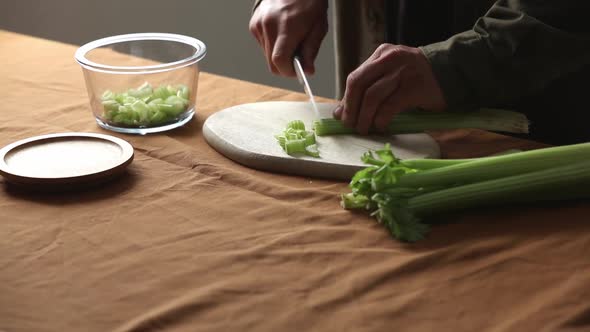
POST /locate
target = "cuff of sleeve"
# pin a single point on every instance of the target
(458, 94)
(256, 4)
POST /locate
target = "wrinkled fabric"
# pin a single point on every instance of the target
(188, 240)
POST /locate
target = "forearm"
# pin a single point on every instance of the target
(510, 53)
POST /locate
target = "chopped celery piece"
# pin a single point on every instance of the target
(120, 98)
(296, 125)
(124, 109)
(161, 93)
(309, 138)
(293, 146)
(156, 101)
(153, 108)
(172, 90)
(140, 108)
(167, 108)
(110, 114)
(120, 118)
(158, 117)
(108, 95)
(133, 93)
(145, 86)
(145, 105)
(129, 100)
(177, 104)
(183, 92)
(312, 150)
(110, 105)
(296, 140)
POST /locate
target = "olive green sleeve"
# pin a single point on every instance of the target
(517, 49)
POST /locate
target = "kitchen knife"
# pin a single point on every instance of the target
(303, 81)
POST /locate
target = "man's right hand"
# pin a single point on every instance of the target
(283, 27)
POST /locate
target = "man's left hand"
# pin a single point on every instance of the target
(395, 78)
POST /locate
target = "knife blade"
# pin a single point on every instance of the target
(303, 81)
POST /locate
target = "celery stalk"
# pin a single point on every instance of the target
(546, 184)
(481, 169)
(420, 121)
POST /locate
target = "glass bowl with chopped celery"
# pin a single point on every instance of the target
(142, 83)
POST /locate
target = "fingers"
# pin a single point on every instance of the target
(283, 52)
(283, 26)
(357, 83)
(337, 112)
(393, 79)
(265, 35)
(311, 45)
(255, 29)
(269, 38)
(395, 103)
(373, 99)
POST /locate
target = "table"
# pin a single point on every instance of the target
(191, 241)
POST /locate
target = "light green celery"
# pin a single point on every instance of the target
(145, 106)
(482, 169)
(296, 140)
(425, 164)
(567, 182)
(110, 105)
(420, 121)
(399, 194)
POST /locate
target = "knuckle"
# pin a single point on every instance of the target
(253, 27)
(351, 80)
(383, 47)
(268, 20)
(407, 49)
(277, 56)
(289, 19)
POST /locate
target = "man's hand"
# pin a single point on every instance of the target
(284, 26)
(395, 78)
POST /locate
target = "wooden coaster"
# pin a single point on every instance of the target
(64, 159)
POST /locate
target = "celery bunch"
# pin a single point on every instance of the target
(400, 194)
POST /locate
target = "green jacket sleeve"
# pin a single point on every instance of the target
(517, 49)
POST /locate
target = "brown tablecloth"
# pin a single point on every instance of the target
(190, 241)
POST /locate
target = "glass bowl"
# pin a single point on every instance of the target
(142, 83)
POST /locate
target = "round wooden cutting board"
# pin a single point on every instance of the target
(64, 159)
(245, 134)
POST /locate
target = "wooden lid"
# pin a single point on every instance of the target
(64, 159)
